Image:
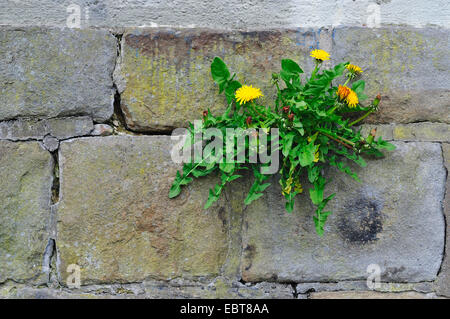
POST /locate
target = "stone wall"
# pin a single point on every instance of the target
(85, 119)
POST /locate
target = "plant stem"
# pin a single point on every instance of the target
(256, 111)
(330, 111)
(313, 74)
(362, 117)
(341, 140)
(346, 82)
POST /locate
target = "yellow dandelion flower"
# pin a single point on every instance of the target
(298, 187)
(343, 91)
(247, 93)
(354, 69)
(320, 55)
(316, 156)
(352, 99)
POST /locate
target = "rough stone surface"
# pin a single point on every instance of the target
(51, 143)
(443, 282)
(425, 132)
(56, 72)
(116, 222)
(164, 75)
(303, 288)
(60, 128)
(225, 15)
(218, 289)
(383, 130)
(112, 292)
(413, 132)
(102, 130)
(370, 295)
(165, 80)
(393, 218)
(409, 67)
(25, 197)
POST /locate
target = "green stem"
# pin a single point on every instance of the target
(362, 117)
(278, 95)
(313, 74)
(346, 82)
(341, 140)
(202, 161)
(330, 111)
(253, 107)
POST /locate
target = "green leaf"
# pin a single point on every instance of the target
(313, 173)
(258, 187)
(321, 217)
(251, 197)
(290, 205)
(385, 145)
(175, 190)
(358, 87)
(316, 193)
(226, 167)
(306, 156)
(232, 178)
(219, 71)
(291, 66)
(211, 199)
(319, 221)
(230, 90)
(287, 143)
(301, 105)
(339, 69)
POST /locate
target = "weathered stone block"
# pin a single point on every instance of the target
(384, 131)
(115, 219)
(393, 218)
(409, 67)
(56, 72)
(60, 128)
(424, 132)
(25, 197)
(303, 288)
(218, 289)
(231, 14)
(164, 75)
(371, 295)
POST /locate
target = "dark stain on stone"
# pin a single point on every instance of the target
(222, 217)
(249, 254)
(393, 273)
(361, 220)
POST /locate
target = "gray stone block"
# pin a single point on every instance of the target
(116, 221)
(408, 67)
(48, 73)
(35, 129)
(442, 284)
(26, 176)
(393, 218)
